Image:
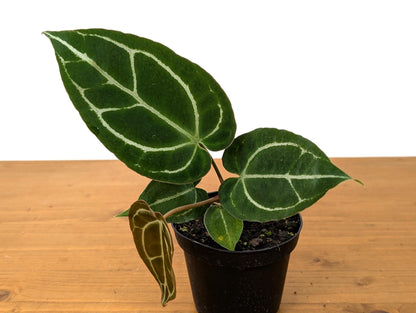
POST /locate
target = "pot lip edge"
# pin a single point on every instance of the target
(243, 252)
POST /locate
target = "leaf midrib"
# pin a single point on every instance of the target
(287, 176)
(227, 231)
(172, 197)
(290, 176)
(164, 249)
(110, 80)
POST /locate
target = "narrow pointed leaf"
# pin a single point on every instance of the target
(155, 110)
(154, 244)
(224, 228)
(280, 174)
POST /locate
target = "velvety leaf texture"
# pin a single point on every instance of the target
(164, 197)
(156, 111)
(280, 174)
(154, 244)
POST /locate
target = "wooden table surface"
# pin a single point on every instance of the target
(61, 249)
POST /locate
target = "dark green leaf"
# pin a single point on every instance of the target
(163, 197)
(156, 111)
(281, 174)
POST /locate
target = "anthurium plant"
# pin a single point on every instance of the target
(161, 115)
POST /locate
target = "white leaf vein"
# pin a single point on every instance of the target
(166, 250)
(287, 176)
(172, 197)
(83, 57)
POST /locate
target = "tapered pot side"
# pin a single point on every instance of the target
(225, 281)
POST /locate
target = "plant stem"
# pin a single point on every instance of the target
(190, 206)
(214, 165)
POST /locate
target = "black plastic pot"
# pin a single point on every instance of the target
(225, 281)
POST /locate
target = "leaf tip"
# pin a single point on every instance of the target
(358, 181)
(164, 300)
(123, 214)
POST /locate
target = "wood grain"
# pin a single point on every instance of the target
(62, 250)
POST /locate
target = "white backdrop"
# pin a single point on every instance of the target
(341, 73)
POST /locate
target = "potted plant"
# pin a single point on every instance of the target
(161, 114)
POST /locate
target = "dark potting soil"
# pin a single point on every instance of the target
(255, 235)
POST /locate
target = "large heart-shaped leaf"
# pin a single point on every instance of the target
(224, 228)
(156, 111)
(154, 244)
(281, 174)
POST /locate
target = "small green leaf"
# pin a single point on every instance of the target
(156, 111)
(281, 174)
(163, 197)
(224, 228)
(154, 244)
